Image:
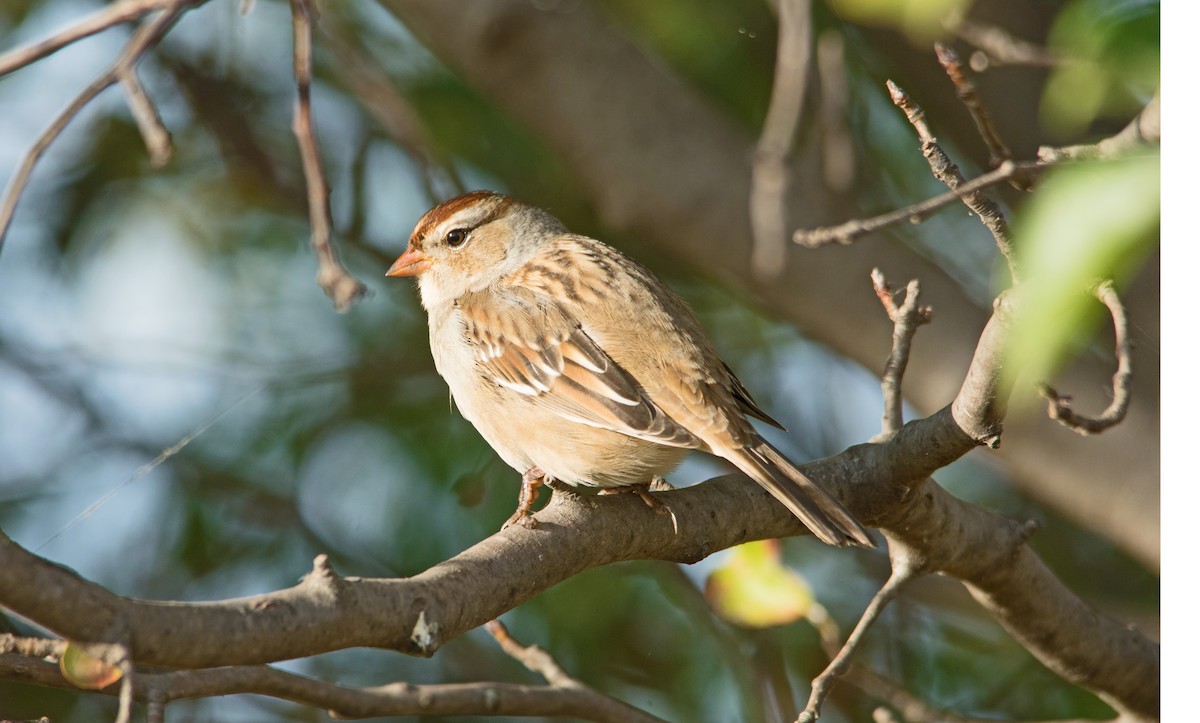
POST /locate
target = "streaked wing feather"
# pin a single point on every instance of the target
(540, 352)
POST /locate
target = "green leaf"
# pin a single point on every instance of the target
(921, 20)
(1087, 222)
(1110, 62)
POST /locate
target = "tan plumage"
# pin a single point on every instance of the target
(573, 359)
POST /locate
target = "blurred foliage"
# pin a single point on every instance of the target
(727, 51)
(140, 305)
(1086, 223)
(755, 589)
(1110, 51)
(922, 20)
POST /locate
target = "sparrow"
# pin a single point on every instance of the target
(576, 364)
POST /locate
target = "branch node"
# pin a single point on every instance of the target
(425, 635)
(323, 579)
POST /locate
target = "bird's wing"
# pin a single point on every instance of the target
(746, 403)
(533, 347)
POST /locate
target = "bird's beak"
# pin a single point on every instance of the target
(412, 262)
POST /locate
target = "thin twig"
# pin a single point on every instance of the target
(154, 134)
(142, 40)
(166, 454)
(1143, 130)
(964, 87)
(911, 708)
(1059, 407)
(903, 572)
(541, 662)
(850, 231)
(905, 318)
(125, 697)
(947, 172)
(531, 656)
(770, 177)
(115, 14)
(156, 710)
(395, 699)
(333, 278)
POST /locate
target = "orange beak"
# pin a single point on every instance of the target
(411, 263)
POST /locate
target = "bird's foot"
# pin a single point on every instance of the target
(531, 481)
(643, 491)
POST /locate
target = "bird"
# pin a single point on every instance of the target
(579, 366)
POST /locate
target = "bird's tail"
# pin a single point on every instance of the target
(825, 516)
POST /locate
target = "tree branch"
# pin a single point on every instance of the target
(946, 171)
(115, 14)
(906, 318)
(885, 484)
(155, 135)
(394, 699)
(1060, 406)
(540, 662)
(333, 278)
(848, 231)
(771, 175)
(1143, 130)
(144, 39)
(823, 684)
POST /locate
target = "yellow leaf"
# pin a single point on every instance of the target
(755, 589)
(84, 670)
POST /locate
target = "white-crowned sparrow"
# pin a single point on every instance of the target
(575, 363)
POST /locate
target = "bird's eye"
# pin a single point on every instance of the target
(457, 237)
